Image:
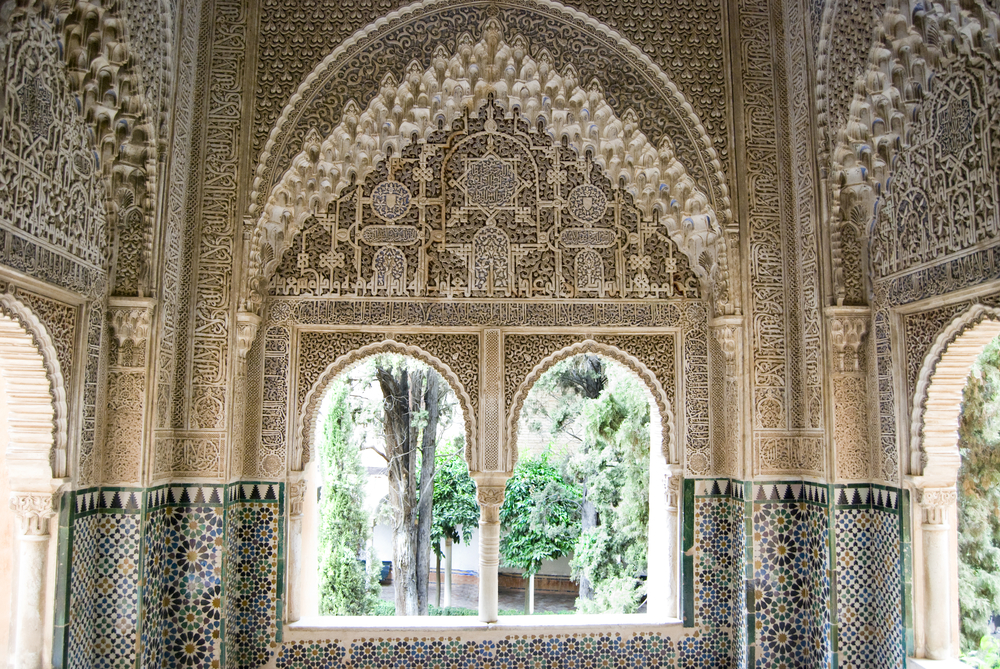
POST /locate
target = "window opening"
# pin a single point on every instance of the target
(391, 507)
(576, 516)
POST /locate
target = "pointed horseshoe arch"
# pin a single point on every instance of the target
(307, 421)
(668, 445)
(301, 169)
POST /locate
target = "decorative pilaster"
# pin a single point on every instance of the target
(489, 493)
(847, 328)
(296, 507)
(33, 510)
(129, 377)
(726, 384)
(937, 505)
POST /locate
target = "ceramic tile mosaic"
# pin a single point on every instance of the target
(869, 605)
(104, 579)
(719, 592)
(548, 651)
(254, 572)
(791, 577)
(153, 578)
(190, 575)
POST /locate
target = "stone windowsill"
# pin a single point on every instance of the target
(422, 625)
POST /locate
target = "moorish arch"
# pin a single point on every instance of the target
(23, 329)
(308, 419)
(935, 460)
(413, 103)
(937, 401)
(35, 407)
(664, 414)
(907, 96)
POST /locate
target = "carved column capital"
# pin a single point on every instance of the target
(296, 498)
(33, 510)
(246, 331)
(490, 500)
(131, 319)
(848, 327)
(726, 331)
(935, 504)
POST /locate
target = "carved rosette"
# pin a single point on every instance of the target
(935, 504)
(33, 511)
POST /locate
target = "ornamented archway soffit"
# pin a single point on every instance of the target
(425, 99)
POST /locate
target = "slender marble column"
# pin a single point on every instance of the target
(33, 510)
(489, 493)
(296, 504)
(936, 506)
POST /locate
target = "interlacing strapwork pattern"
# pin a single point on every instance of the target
(492, 209)
(685, 41)
(52, 219)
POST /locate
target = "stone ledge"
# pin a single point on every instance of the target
(919, 663)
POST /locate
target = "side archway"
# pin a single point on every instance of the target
(937, 400)
(33, 398)
(307, 420)
(934, 464)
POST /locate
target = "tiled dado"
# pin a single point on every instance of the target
(791, 553)
(714, 573)
(102, 611)
(182, 603)
(868, 576)
(551, 651)
(254, 572)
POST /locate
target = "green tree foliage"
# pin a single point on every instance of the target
(344, 532)
(979, 498)
(456, 513)
(540, 516)
(614, 464)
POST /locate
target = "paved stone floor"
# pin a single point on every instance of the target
(467, 596)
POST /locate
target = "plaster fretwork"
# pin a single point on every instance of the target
(126, 441)
(848, 327)
(649, 178)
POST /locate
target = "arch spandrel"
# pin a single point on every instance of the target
(308, 415)
(650, 382)
(457, 82)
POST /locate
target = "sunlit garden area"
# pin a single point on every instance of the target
(392, 508)
(979, 512)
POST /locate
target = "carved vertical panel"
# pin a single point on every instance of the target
(492, 403)
(848, 328)
(125, 443)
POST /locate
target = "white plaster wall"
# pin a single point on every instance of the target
(6, 534)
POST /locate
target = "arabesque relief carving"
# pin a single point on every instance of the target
(569, 195)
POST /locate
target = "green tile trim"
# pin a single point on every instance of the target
(687, 563)
(60, 632)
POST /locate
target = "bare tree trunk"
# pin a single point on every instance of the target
(403, 398)
(425, 505)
